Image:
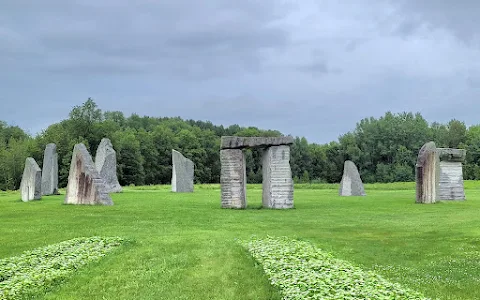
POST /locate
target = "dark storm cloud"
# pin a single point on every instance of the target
(460, 17)
(309, 68)
(147, 36)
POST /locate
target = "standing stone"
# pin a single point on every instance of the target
(31, 184)
(233, 178)
(182, 173)
(351, 183)
(85, 185)
(106, 165)
(277, 178)
(50, 170)
(427, 173)
(451, 174)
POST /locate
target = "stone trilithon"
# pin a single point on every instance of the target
(277, 174)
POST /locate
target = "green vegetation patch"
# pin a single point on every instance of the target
(302, 271)
(34, 271)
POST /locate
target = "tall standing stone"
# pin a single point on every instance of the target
(85, 185)
(351, 183)
(451, 174)
(182, 173)
(50, 170)
(277, 178)
(31, 184)
(427, 173)
(233, 178)
(106, 165)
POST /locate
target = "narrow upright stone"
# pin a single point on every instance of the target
(351, 183)
(277, 178)
(427, 173)
(182, 173)
(233, 178)
(50, 170)
(451, 174)
(31, 184)
(85, 185)
(106, 165)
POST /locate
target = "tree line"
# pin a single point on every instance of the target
(384, 149)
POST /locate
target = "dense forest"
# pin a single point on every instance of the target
(384, 149)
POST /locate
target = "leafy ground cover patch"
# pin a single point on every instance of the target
(35, 270)
(302, 271)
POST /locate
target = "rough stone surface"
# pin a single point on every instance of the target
(451, 174)
(85, 185)
(450, 154)
(182, 173)
(351, 183)
(233, 178)
(50, 170)
(31, 184)
(277, 178)
(106, 165)
(238, 142)
(427, 174)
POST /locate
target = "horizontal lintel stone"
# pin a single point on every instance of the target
(450, 154)
(238, 142)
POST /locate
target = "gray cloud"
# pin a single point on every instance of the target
(309, 68)
(458, 17)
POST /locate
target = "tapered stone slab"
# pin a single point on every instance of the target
(238, 142)
(451, 185)
(31, 184)
(182, 173)
(277, 178)
(106, 165)
(351, 183)
(427, 174)
(50, 170)
(233, 178)
(85, 185)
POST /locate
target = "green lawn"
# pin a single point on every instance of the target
(184, 244)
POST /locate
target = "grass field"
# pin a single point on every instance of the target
(184, 245)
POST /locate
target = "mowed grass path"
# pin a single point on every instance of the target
(184, 244)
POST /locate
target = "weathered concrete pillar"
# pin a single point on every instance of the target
(427, 173)
(277, 178)
(182, 173)
(85, 185)
(451, 174)
(106, 165)
(50, 170)
(233, 178)
(351, 183)
(31, 184)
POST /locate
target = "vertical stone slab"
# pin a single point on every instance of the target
(31, 184)
(451, 181)
(182, 173)
(50, 170)
(85, 185)
(451, 174)
(233, 177)
(106, 165)
(277, 178)
(351, 183)
(427, 173)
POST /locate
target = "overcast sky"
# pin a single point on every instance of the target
(310, 68)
